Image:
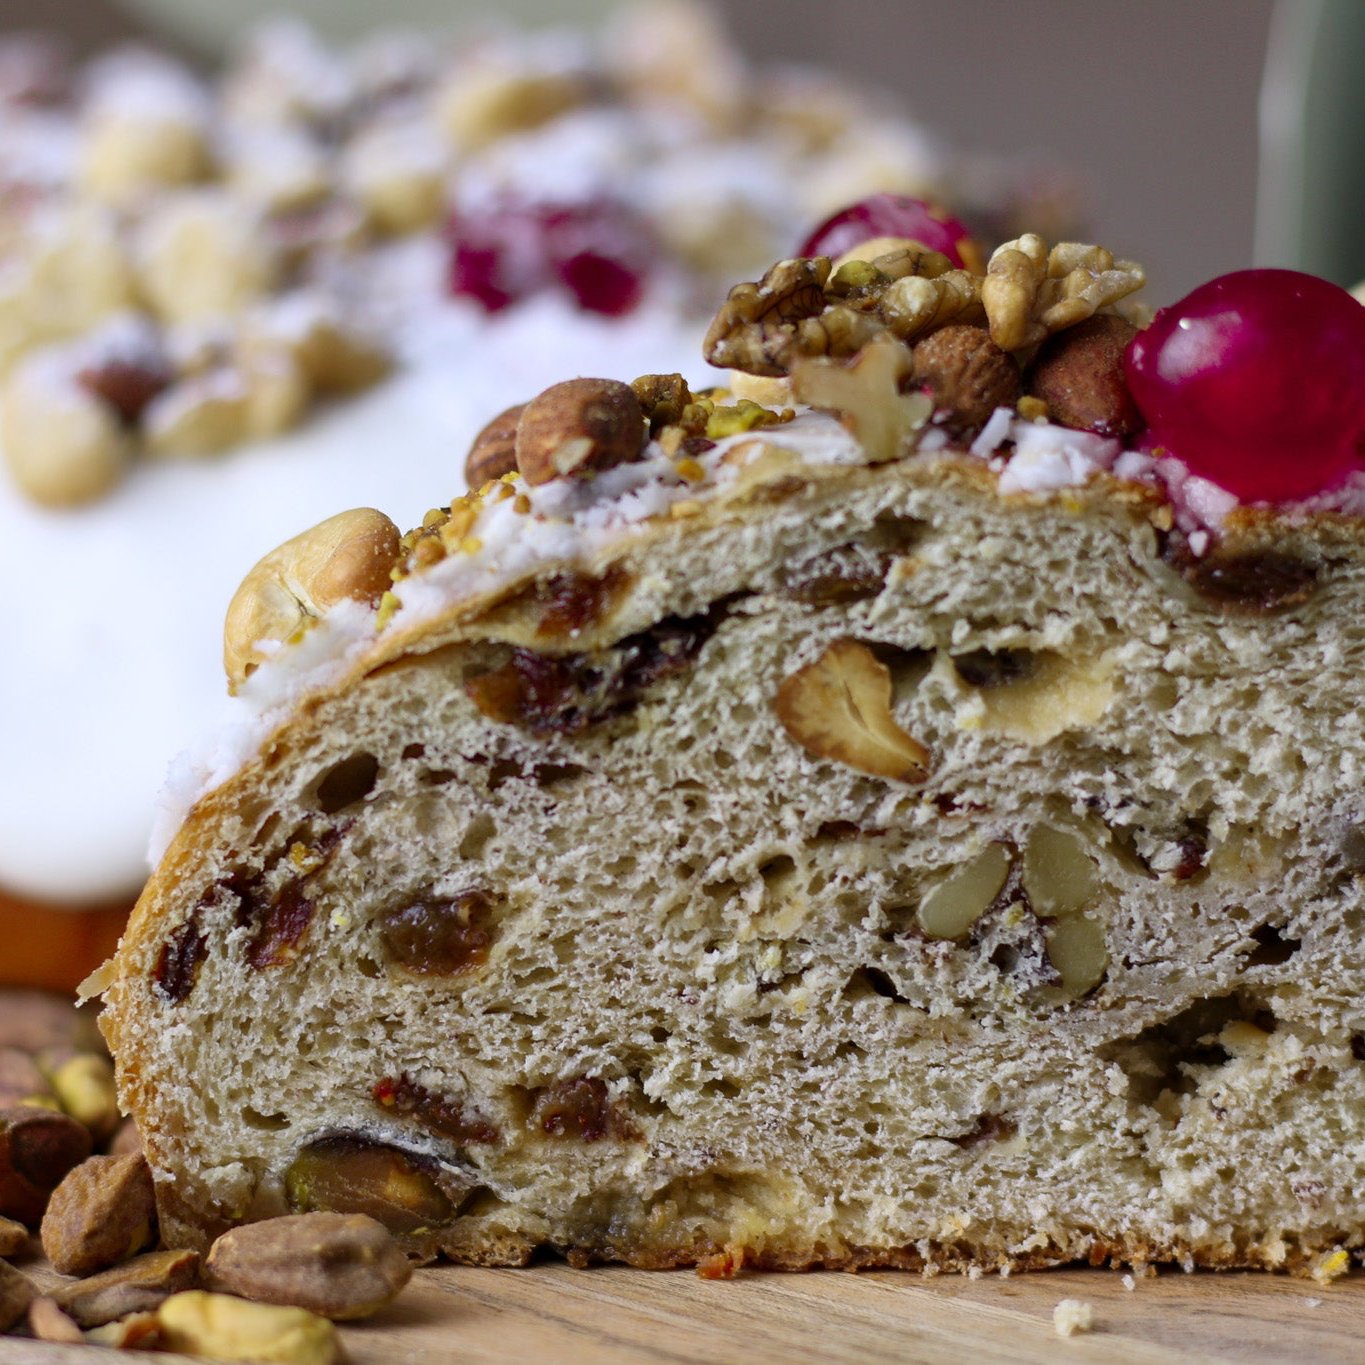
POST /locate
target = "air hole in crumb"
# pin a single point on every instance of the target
(437, 777)
(723, 1086)
(660, 1034)
(414, 751)
(872, 981)
(777, 869)
(345, 783)
(1358, 1046)
(1273, 947)
(1167, 1057)
(266, 1123)
(1005, 958)
(368, 967)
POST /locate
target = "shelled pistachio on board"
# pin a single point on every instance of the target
(270, 1290)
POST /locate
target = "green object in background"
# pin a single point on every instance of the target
(211, 26)
(1310, 203)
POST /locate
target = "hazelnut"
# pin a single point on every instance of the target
(578, 428)
(494, 450)
(839, 707)
(967, 373)
(1079, 375)
(346, 556)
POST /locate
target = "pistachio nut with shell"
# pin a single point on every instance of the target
(346, 556)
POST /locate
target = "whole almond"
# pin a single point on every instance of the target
(1079, 375)
(579, 428)
(494, 451)
(103, 1212)
(340, 1265)
(37, 1148)
(968, 374)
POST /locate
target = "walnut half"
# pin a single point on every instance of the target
(839, 707)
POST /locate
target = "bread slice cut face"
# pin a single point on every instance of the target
(859, 866)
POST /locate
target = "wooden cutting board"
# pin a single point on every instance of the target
(609, 1316)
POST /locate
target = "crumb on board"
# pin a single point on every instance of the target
(1331, 1266)
(1129, 1283)
(1072, 1316)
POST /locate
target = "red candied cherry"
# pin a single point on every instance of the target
(1256, 381)
(598, 250)
(893, 215)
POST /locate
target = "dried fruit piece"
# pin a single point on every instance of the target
(341, 1265)
(1079, 375)
(37, 1149)
(994, 667)
(347, 1174)
(226, 1328)
(103, 1212)
(1255, 380)
(1059, 877)
(136, 1286)
(954, 905)
(579, 428)
(894, 215)
(1252, 583)
(439, 1113)
(1077, 949)
(967, 373)
(839, 707)
(581, 1108)
(440, 935)
(494, 451)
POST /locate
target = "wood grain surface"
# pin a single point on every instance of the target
(609, 1316)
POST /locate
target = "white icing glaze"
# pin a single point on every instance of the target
(113, 644)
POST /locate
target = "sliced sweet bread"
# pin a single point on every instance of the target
(802, 846)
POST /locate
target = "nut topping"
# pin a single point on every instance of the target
(494, 451)
(1030, 292)
(346, 556)
(967, 373)
(866, 392)
(1079, 375)
(579, 428)
(839, 707)
(37, 1149)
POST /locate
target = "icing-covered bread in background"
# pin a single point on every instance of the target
(308, 283)
(862, 827)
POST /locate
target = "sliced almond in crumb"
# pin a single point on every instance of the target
(1059, 876)
(1076, 948)
(839, 707)
(953, 906)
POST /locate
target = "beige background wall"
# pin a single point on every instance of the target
(1153, 103)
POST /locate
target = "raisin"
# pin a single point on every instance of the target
(178, 963)
(579, 1108)
(436, 1112)
(994, 668)
(1255, 583)
(838, 576)
(440, 936)
(571, 601)
(568, 693)
(127, 387)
